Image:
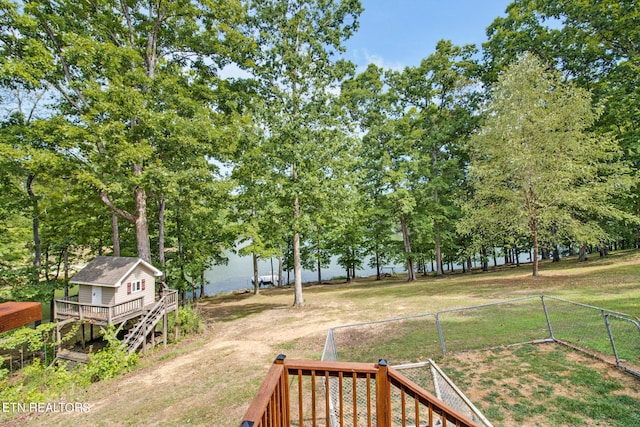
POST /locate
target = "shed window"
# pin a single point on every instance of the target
(136, 286)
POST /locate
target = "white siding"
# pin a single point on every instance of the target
(108, 295)
(84, 294)
(148, 293)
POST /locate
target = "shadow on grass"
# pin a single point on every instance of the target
(230, 313)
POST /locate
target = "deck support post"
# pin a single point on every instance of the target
(175, 328)
(83, 335)
(164, 327)
(383, 395)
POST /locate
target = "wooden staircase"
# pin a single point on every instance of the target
(138, 335)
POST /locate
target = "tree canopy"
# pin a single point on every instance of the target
(122, 137)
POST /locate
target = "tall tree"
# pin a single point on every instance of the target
(595, 43)
(439, 103)
(297, 68)
(536, 161)
(113, 64)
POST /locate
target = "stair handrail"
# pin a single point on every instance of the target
(135, 333)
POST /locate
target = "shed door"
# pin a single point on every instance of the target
(96, 295)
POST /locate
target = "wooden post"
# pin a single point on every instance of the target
(58, 337)
(383, 395)
(83, 337)
(176, 325)
(164, 324)
(91, 326)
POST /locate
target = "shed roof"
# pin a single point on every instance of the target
(110, 271)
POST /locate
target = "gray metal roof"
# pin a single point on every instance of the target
(110, 271)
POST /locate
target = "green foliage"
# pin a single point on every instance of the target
(190, 321)
(536, 167)
(110, 361)
(29, 338)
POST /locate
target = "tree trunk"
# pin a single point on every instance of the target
(378, 275)
(35, 222)
(583, 253)
(202, 283)
(142, 227)
(279, 271)
(161, 208)
(115, 234)
(256, 283)
(407, 248)
(534, 235)
(485, 259)
(438, 243)
(319, 261)
(545, 253)
(298, 300)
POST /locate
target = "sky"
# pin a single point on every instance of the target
(399, 33)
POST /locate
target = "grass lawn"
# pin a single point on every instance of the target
(211, 379)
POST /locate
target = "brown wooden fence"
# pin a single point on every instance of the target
(312, 393)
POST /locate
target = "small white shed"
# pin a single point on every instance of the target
(114, 280)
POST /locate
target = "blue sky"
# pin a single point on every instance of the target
(400, 33)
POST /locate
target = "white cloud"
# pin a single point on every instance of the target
(363, 58)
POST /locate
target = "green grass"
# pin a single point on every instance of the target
(548, 382)
(524, 385)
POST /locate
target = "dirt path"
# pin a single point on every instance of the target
(220, 369)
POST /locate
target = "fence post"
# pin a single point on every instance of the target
(546, 315)
(284, 395)
(440, 334)
(611, 340)
(383, 395)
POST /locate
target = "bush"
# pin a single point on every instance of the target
(110, 361)
(189, 321)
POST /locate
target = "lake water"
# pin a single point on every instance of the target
(237, 274)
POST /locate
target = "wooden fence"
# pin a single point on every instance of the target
(312, 393)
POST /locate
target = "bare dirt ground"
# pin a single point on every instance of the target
(220, 369)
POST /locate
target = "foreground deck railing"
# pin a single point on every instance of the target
(312, 393)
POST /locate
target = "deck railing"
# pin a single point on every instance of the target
(67, 308)
(312, 393)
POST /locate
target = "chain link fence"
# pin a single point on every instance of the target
(410, 342)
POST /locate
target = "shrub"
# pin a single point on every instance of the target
(189, 321)
(110, 361)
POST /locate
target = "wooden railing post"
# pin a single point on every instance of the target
(383, 395)
(284, 404)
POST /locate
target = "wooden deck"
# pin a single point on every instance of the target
(98, 314)
(341, 393)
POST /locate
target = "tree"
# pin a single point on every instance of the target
(535, 162)
(125, 74)
(297, 71)
(439, 105)
(595, 44)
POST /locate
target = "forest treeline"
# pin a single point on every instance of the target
(120, 135)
